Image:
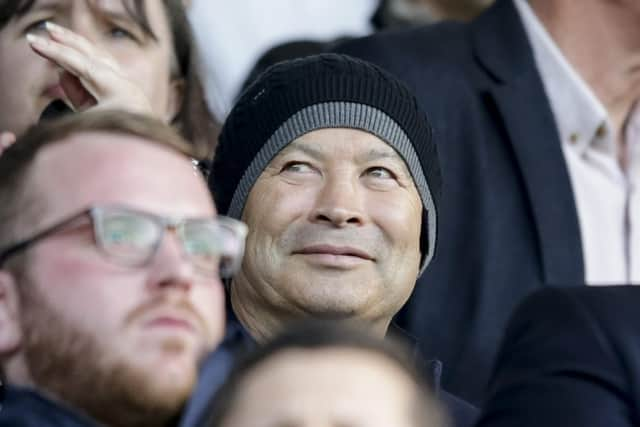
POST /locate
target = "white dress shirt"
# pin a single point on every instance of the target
(605, 193)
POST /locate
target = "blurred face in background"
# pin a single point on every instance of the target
(29, 83)
(338, 387)
(116, 341)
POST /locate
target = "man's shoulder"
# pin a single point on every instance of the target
(425, 46)
(612, 308)
(27, 408)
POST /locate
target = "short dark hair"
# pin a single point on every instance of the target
(318, 336)
(193, 119)
(17, 160)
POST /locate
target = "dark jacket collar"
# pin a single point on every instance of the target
(23, 407)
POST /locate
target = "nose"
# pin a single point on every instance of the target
(170, 269)
(339, 203)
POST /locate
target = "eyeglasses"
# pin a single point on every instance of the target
(131, 238)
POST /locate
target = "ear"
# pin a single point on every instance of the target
(176, 96)
(10, 327)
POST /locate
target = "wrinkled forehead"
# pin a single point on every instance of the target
(355, 145)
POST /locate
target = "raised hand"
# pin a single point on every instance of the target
(91, 76)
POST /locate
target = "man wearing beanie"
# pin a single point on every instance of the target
(332, 166)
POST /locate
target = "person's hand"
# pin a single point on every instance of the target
(90, 77)
(6, 139)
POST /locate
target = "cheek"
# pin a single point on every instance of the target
(399, 218)
(96, 296)
(22, 78)
(273, 208)
(208, 300)
(149, 69)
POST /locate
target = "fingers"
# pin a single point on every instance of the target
(79, 43)
(69, 59)
(6, 139)
(98, 77)
(77, 95)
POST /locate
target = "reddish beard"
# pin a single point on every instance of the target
(71, 365)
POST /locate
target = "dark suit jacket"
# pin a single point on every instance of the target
(571, 357)
(508, 223)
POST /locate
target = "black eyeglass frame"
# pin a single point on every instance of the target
(94, 212)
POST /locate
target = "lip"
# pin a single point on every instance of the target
(336, 251)
(170, 321)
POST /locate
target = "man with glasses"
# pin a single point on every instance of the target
(111, 259)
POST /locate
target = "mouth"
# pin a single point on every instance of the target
(335, 256)
(57, 108)
(170, 322)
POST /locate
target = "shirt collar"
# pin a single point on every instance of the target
(581, 118)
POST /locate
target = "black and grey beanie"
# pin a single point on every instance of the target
(298, 96)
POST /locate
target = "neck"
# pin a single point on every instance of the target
(265, 322)
(601, 39)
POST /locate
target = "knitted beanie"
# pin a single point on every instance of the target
(298, 96)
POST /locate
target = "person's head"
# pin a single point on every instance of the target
(110, 260)
(150, 39)
(332, 166)
(323, 375)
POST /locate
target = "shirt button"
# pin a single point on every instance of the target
(574, 137)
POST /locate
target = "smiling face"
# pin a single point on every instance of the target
(110, 339)
(28, 82)
(334, 226)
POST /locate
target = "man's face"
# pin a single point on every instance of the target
(334, 226)
(92, 329)
(29, 83)
(330, 387)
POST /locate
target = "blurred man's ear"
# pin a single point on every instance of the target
(10, 328)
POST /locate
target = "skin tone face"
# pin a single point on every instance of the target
(100, 335)
(324, 388)
(334, 226)
(94, 53)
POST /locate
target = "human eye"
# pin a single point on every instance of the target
(127, 230)
(380, 172)
(37, 25)
(117, 32)
(297, 167)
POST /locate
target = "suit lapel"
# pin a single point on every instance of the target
(502, 48)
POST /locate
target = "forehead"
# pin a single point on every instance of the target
(108, 168)
(328, 382)
(135, 10)
(342, 142)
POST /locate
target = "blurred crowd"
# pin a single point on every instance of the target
(313, 213)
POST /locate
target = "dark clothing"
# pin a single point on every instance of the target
(213, 373)
(26, 408)
(571, 357)
(238, 341)
(508, 222)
